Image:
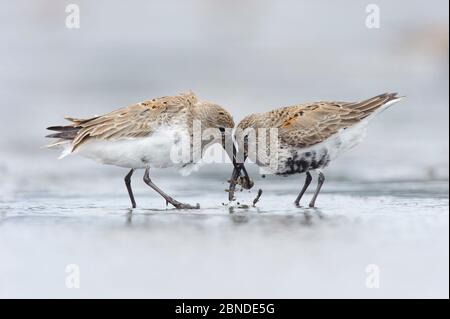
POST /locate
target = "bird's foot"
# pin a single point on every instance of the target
(179, 205)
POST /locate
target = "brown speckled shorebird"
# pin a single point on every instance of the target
(142, 136)
(310, 136)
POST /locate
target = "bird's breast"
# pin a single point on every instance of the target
(298, 161)
(167, 147)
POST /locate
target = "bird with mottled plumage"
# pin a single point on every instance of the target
(143, 135)
(310, 136)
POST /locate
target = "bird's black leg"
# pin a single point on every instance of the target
(168, 199)
(305, 187)
(130, 191)
(319, 186)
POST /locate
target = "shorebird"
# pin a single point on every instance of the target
(310, 136)
(143, 136)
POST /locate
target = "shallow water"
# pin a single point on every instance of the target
(271, 250)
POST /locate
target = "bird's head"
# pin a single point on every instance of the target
(217, 126)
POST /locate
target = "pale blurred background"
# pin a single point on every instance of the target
(248, 56)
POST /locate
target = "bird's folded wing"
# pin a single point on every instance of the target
(313, 123)
(136, 120)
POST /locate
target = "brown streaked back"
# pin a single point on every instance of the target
(311, 123)
(137, 120)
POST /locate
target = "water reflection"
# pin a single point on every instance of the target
(227, 218)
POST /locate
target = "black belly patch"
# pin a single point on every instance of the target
(302, 162)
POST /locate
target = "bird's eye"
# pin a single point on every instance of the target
(222, 129)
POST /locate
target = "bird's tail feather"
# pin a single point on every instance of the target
(375, 104)
(65, 135)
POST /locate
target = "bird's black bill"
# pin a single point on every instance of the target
(236, 178)
(233, 181)
(238, 169)
(245, 181)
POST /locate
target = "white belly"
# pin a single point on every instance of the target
(164, 148)
(344, 140)
(291, 160)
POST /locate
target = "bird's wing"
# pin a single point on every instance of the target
(310, 124)
(136, 120)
